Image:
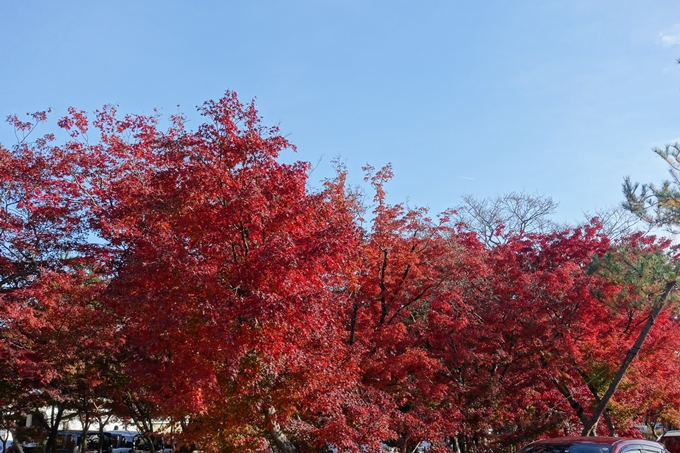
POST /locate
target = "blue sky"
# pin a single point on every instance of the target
(562, 98)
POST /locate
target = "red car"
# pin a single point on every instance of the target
(593, 445)
(671, 440)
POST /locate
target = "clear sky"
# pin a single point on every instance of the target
(562, 98)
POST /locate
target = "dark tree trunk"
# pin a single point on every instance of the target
(278, 436)
(50, 446)
(632, 353)
(15, 442)
(564, 390)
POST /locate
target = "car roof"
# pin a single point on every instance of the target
(672, 433)
(596, 440)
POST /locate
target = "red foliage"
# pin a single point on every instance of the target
(195, 273)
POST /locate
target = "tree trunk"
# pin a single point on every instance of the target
(101, 437)
(102, 423)
(593, 390)
(353, 322)
(278, 436)
(564, 390)
(141, 416)
(50, 447)
(83, 434)
(456, 444)
(15, 442)
(632, 353)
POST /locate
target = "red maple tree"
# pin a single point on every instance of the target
(189, 275)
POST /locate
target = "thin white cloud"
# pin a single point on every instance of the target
(465, 177)
(671, 38)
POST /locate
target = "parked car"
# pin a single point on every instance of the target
(593, 445)
(161, 445)
(670, 440)
(115, 441)
(68, 441)
(122, 441)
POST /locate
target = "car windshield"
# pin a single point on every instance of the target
(567, 448)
